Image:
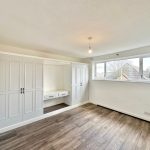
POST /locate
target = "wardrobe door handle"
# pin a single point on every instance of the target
(21, 90)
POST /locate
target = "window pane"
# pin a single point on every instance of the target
(123, 69)
(146, 68)
(130, 70)
(100, 70)
(113, 70)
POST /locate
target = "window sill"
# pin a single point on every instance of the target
(128, 81)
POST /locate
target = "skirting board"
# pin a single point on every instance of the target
(121, 111)
(40, 117)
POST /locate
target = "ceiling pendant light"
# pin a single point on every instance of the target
(90, 48)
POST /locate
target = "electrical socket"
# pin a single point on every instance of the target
(147, 113)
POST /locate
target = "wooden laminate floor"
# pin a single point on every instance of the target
(55, 107)
(88, 127)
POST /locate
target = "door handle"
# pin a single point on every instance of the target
(21, 91)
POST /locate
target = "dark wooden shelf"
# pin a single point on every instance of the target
(55, 107)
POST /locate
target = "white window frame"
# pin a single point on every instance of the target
(104, 79)
(95, 69)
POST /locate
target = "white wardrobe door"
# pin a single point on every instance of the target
(33, 95)
(14, 101)
(76, 84)
(3, 93)
(10, 99)
(80, 83)
(82, 77)
(39, 88)
(84, 81)
(29, 90)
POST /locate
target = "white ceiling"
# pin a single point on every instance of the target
(62, 26)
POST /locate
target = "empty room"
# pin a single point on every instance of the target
(75, 75)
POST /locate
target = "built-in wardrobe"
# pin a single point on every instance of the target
(21, 89)
(25, 83)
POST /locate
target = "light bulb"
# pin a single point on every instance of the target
(90, 51)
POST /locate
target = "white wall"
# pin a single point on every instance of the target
(124, 54)
(53, 77)
(127, 97)
(130, 98)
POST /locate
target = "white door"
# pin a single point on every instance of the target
(28, 90)
(84, 82)
(79, 83)
(74, 86)
(10, 97)
(14, 97)
(3, 93)
(33, 90)
(76, 80)
(39, 88)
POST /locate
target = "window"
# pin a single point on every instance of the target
(131, 69)
(135, 69)
(100, 73)
(113, 70)
(123, 69)
(146, 68)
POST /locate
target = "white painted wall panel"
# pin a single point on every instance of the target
(130, 98)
